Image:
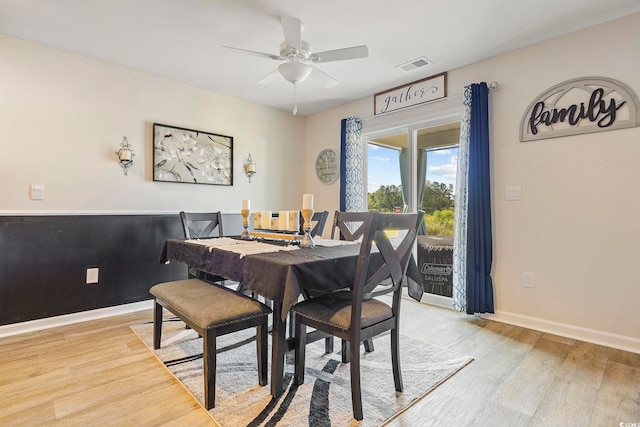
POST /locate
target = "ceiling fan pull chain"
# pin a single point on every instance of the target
(295, 102)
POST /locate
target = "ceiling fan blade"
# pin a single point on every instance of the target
(354, 52)
(254, 53)
(292, 28)
(269, 77)
(323, 78)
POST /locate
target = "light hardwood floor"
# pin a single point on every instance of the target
(99, 373)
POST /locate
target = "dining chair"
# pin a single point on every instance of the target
(318, 221)
(202, 225)
(199, 225)
(350, 226)
(356, 315)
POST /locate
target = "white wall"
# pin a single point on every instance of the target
(63, 117)
(577, 226)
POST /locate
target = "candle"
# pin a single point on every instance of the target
(257, 220)
(125, 155)
(294, 220)
(251, 167)
(246, 204)
(307, 201)
(283, 220)
(266, 220)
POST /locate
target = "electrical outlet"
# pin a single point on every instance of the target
(92, 275)
(527, 280)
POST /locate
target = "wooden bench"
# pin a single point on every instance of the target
(212, 311)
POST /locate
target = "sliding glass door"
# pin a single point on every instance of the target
(414, 168)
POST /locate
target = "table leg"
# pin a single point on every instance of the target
(278, 349)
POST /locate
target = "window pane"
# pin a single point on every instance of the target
(437, 201)
(384, 185)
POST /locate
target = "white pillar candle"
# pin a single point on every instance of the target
(125, 155)
(283, 220)
(246, 204)
(294, 220)
(257, 220)
(266, 220)
(307, 201)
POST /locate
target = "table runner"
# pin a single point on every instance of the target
(241, 247)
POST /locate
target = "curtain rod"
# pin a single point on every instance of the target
(492, 86)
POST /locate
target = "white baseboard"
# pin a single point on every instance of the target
(67, 319)
(437, 300)
(570, 331)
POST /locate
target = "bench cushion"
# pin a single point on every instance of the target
(206, 305)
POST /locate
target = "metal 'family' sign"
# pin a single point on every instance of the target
(584, 105)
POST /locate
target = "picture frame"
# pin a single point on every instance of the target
(191, 156)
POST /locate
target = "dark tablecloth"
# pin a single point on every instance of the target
(284, 275)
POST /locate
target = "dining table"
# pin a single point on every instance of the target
(279, 272)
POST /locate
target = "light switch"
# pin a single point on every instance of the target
(37, 192)
(513, 193)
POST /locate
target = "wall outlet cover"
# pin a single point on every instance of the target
(92, 275)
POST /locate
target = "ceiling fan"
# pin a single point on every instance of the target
(299, 57)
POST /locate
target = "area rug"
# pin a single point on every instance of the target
(325, 397)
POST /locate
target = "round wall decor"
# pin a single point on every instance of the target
(327, 166)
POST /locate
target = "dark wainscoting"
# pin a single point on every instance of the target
(44, 261)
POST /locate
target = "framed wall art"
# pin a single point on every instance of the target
(191, 156)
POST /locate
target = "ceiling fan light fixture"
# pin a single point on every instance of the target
(295, 72)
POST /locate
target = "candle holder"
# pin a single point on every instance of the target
(249, 167)
(307, 240)
(125, 155)
(245, 224)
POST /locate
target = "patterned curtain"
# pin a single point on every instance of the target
(459, 295)
(473, 256)
(352, 178)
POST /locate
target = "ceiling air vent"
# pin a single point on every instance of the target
(415, 63)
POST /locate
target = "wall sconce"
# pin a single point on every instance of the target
(249, 167)
(125, 155)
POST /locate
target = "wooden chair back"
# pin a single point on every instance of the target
(201, 225)
(380, 261)
(349, 225)
(318, 221)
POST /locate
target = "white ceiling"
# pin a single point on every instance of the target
(182, 39)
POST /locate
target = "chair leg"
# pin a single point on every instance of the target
(301, 343)
(292, 324)
(242, 290)
(328, 345)
(345, 350)
(209, 364)
(395, 359)
(157, 325)
(261, 348)
(368, 345)
(356, 392)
